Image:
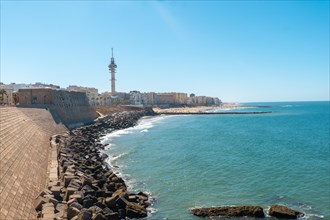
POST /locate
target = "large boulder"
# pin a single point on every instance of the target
(39, 201)
(280, 211)
(134, 210)
(85, 215)
(99, 216)
(111, 202)
(72, 212)
(230, 211)
(118, 198)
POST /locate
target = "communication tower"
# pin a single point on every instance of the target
(112, 69)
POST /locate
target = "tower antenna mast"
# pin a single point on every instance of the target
(112, 69)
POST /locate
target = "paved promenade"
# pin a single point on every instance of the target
(24, 158)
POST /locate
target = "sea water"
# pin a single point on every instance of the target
(215, 160)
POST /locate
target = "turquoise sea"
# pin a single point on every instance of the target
(211, 160)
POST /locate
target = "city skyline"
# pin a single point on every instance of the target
(237, 51)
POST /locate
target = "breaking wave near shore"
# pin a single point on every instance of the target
(118, 152)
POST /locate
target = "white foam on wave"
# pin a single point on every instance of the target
(107, 147)
(305, 209)
(116, 157)
(151, 210)
(314, 216)
(142, 126)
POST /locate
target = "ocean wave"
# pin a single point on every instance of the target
(111, 160)
(314, 216)
(144, 131)
(116, 157)
(142, 126)
(151, 210)
(109, 145)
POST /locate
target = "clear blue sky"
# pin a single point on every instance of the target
(236, 50)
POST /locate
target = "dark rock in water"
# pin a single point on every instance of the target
(142, 196)
(230, 211)
(134, 210)
(280, 211)
(133, 198)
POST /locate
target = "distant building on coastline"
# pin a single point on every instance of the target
(171, 99)
(91, 93)
(7, 96)
(10, 97)
(16, 86)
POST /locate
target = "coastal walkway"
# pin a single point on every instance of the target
(24, 158)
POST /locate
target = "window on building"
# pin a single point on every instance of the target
(34, 100)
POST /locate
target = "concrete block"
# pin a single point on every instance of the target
(67, 179)
(38, 202)
(69, 192)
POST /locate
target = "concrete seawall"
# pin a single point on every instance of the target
(24, 158)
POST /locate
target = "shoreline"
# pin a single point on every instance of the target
(121, 196)
(239, 211)
(225, 108)
(87, 185)
(197, 109)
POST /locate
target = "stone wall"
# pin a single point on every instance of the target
(34, 96)
(24, 153)
(70, 108)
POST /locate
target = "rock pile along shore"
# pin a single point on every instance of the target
(277, 211)
(87, 189)
(228, 211)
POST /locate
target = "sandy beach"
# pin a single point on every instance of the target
(197, 109)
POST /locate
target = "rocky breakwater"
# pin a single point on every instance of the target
(230, 211)
(87, 188)
(277, 211)
(280, 211)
